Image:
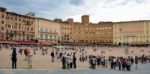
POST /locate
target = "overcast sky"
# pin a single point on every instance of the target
(99, 10)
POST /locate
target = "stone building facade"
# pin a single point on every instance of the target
(16, 27)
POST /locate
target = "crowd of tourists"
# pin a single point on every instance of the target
(69, 59)
(117, 62)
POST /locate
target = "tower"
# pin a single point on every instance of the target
(85, 19)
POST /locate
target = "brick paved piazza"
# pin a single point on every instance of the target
(143, 69)
(43, 65)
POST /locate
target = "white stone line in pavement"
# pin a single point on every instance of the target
(46, 69)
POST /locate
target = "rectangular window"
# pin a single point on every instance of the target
(50, 36)
(46, 30)
(7, 17)
(31, 29)
(2, 22)
(41, 36)
(2, 16)
(19, 19)
(46, 36)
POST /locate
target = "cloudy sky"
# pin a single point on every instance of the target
(99, 10)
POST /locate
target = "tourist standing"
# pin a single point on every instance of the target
(63, 62)
(98, 61)
(0, 48)
(106, 63)
(34, 51)
(128, 67)
(60, 54)
(14, 58)
(149, 59)
(119, 63)
(25, 53)
(52, 56)
(124, 63)
(90, 61)
(43, 51)
(71, 61)
(94, 60)
(68, 61)
(132, 60)
(29, 57)
(74, 60)
(20, 51)
(103, 62)
(136, 62)
(46, 51)
(114, 62)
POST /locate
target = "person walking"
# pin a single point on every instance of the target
(14, 58)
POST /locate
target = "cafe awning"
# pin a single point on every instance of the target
(47, 42)
(24, 42)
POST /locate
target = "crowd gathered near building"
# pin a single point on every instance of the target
(26, 34)
(69, 60)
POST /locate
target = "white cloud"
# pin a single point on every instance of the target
(113, 10)
(99, 10)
